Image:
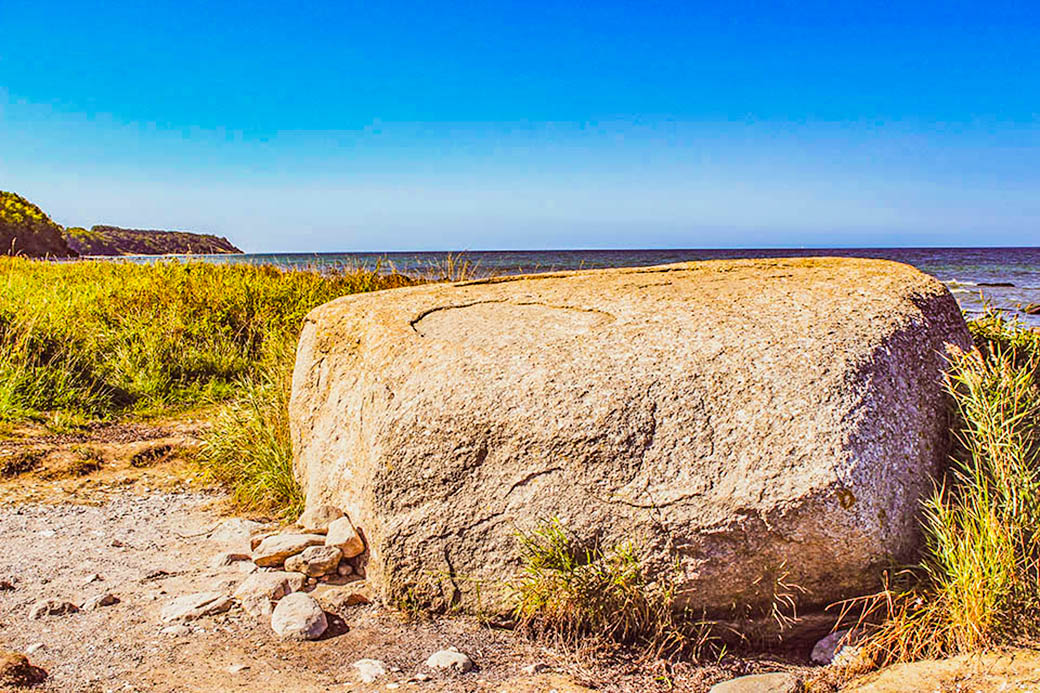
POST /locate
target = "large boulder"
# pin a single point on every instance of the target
(767, 426)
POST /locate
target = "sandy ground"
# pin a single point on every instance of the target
(119, 510)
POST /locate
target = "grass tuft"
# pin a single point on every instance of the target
(572, 591)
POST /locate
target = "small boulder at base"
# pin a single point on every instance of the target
(315, 561)
(827, 648)
(273, 550)
(298, 617)
(316, 520)
(450, 660)
(752, 421)
(778, 682)
(344, 536)
(260, 589)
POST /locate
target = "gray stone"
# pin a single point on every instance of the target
(195, 606)
(273, 550)
(778, 682)
(369, 669)
(344, 536)
(776, 419)
(315, 561)
(258, 591)
(298, 617)
(316, 519)
(450, 659)
(824, 651)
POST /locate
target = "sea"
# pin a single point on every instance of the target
(1005, 279)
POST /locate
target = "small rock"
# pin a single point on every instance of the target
(269, 585)
(117, 544)
(824, 651)
(52, 607)
(92, 578)
(344, 569)
(370, 669)
(419, 678)
(450, 659)
(222, 560)
(315, 561)
(35, 647)
(194, 606)
(778, 682)
(6, 585)
(234, 533)
(335, 598)
(46, 533)
(15, 670)
(535, 668)
(273, 550)
(177, 630)
(298, 617)
(99, 600)
(394, 685)
(344, 536)
(316, 520)
(236, 668)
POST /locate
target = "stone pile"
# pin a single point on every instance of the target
(324, 547)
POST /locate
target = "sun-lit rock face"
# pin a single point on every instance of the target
(767, 426)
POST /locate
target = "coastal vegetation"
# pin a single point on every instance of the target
(978, 583)
(26, 230)
(112, 240)
(98, 341)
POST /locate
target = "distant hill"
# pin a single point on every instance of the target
(112, 240)
(26, 230)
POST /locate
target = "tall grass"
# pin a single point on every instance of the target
(978, 585)
(95, 341)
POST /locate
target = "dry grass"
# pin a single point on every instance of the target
(978, 584)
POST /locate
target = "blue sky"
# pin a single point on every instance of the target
(325, 126)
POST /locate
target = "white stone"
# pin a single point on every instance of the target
(298, 617)
(370, 669)
(450, 659)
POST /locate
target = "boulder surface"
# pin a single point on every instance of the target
(767, 426)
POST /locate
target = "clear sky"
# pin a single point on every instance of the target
(337, 125)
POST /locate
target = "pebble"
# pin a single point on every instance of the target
(535, 668)
(177, 630)
(450, 659)
(93, 577)
(298, 617)
(369, 669)
(236, 668)
(344, 569)
(420, 678)
(344, 536)
(35, 647)
(777, 682)
(52, 607)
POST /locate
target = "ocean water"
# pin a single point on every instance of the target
(1006, 278)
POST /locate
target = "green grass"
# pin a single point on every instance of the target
(96, 341)
(978, 584)
(577, 592)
